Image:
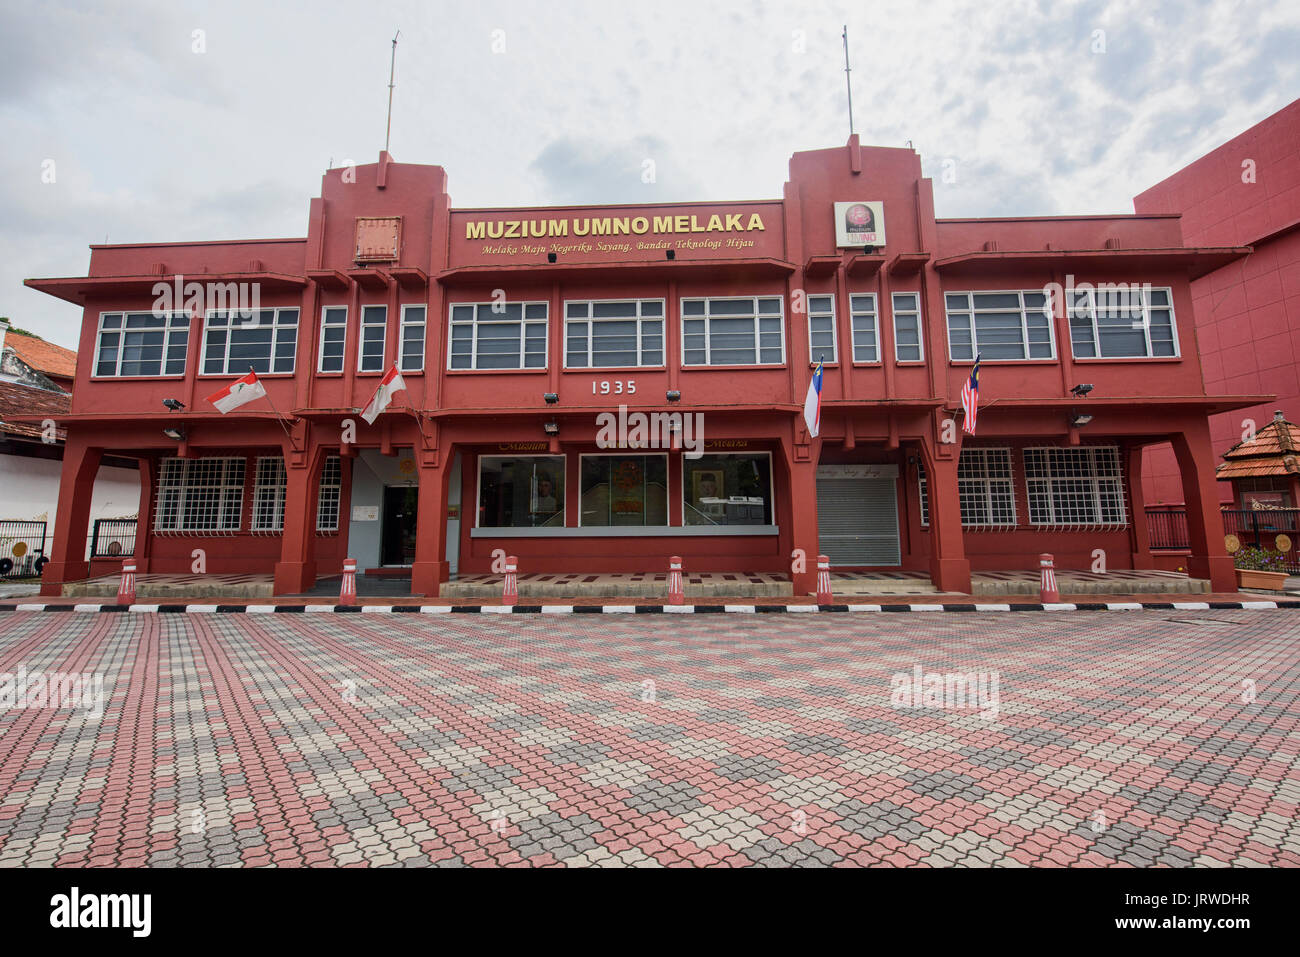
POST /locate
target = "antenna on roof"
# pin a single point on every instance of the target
(848, 79)
(392, 64)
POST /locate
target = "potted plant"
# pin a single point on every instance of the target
(1260, 568)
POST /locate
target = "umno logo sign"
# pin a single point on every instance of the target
(860, 224)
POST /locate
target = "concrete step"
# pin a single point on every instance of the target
(1068, 584)
(612, 587)
(162, 589)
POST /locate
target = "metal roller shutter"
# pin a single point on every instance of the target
(857, 520)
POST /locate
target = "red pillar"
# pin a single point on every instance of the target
(76, 489)
(431, 568)
(1141, 535)
(1196, 461)
(949, 567)
(803, 521)
(144, 514)
(295, 572)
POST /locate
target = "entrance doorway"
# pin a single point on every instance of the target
(397, 533)
(857, 514)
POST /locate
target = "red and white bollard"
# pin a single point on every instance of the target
(676, 595)
(1047, 592)
(126, 590)
(348, 590)
(823, 580)
(510, 588)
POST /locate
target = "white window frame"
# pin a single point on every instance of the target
(920, 325)
(1147, 307)
(1094, 479)
(523, 321)
(639, 319)
(923, 483)
(264, 490)
(276, 326)
(988, 483)
(184, 488)
(405, 324)
(875, 317)
(630, 453)
(320, 340)
(383, 338)
(822, 314)
(333, 501)
(168, 331)
(970, 310)
(708, 363)
(478, 490)
(771, 485)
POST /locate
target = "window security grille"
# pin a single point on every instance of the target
(1075, 488)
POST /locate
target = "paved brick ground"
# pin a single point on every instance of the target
(1120, 738)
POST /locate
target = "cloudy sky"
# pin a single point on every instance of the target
(157, 133)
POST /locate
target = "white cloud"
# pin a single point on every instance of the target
(156, 142)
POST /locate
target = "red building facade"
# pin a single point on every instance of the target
(1245, 193)
(533, 341)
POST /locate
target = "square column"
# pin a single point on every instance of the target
(1196, 461)
(949, 566)
(431, 567)
(295, 572)
(71, 524)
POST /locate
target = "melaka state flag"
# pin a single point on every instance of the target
(812, 403)
(391, 382)
(238, 393)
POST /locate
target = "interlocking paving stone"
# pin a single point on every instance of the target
(417, 740)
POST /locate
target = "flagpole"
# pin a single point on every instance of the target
(279, 418)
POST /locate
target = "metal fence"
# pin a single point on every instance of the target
(22, 548)
(112, 538)
(1167, 528)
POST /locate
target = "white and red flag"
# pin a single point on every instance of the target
(239, 392)
(391, 383)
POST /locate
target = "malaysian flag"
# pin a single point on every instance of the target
(970, 398)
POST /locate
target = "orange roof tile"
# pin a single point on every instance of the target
(43, 356)
(1271, 452)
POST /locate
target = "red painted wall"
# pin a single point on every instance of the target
(1247, 313)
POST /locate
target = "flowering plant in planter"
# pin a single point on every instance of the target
(1253, 558)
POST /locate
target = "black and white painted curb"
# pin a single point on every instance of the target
(643, 609)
